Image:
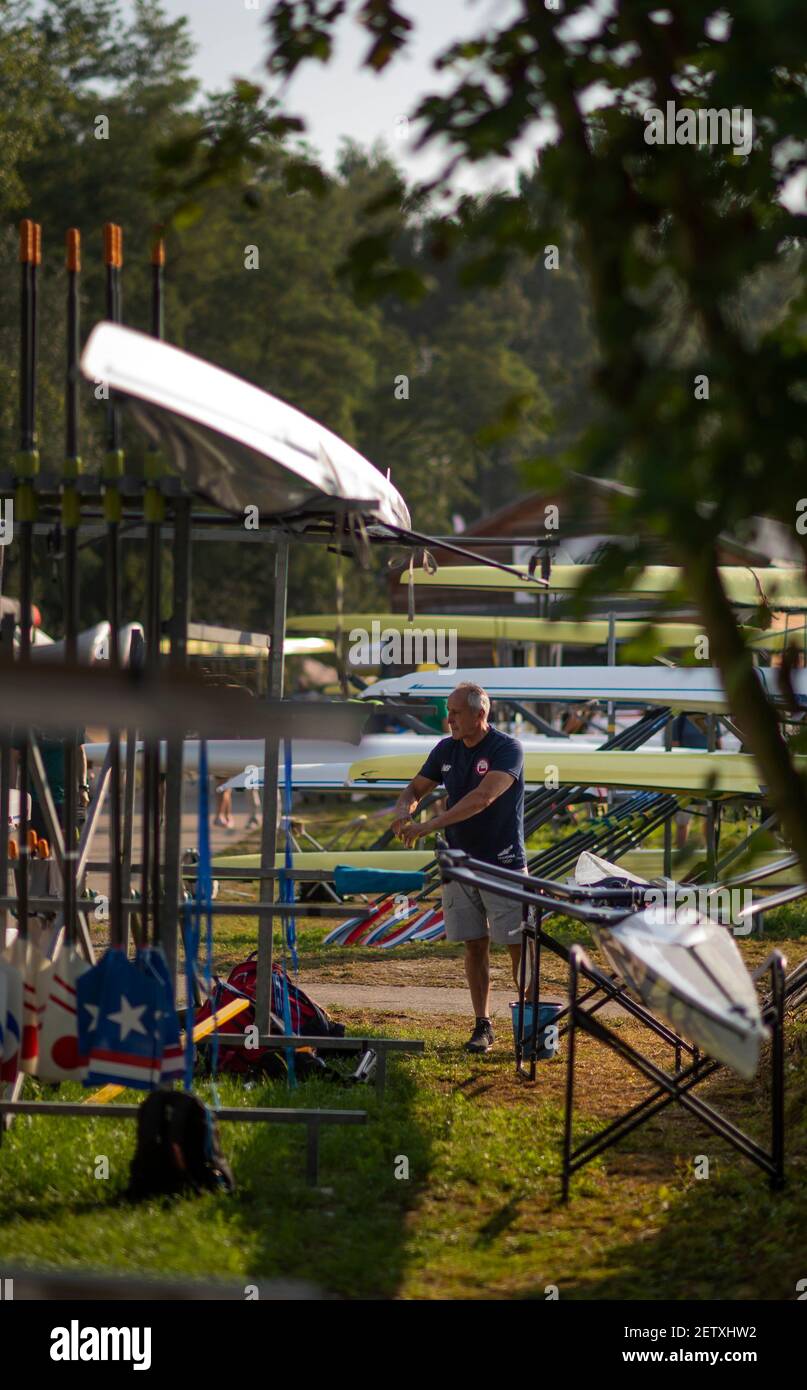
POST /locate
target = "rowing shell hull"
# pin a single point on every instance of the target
(326, 861)
(693, 976)
(685, 968)
(232, 442)
(585, 633)
(781, 588)
(708, 774)
(696, 688)
(323, 762)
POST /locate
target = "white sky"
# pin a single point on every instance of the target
(340, 98)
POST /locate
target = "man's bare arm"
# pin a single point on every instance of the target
(410, 799)
(491, 787)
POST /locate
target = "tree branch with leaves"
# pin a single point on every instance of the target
(667, 234)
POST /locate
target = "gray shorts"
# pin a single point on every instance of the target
(471, 913)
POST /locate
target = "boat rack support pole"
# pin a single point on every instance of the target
(271, 794)
(522, 994)
(173, 768)
(129, 785)
(575, 957)
(777, 971)
(531, 935)
(668, 824)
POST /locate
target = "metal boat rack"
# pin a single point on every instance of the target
(542, 897)
(75, 508)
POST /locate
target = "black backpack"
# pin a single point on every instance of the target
(177, 1148)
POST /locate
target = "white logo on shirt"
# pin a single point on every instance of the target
(446, 767)
(482, 767)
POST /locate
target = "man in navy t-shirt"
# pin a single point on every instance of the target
(482, 771)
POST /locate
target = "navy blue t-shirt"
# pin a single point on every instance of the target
(496, 834)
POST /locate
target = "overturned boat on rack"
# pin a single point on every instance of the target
(233, 443)
(684, 967)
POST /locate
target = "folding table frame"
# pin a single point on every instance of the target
(677, 1085)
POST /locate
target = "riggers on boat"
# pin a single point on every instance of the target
(682, 966)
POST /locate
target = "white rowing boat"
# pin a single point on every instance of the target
(92, 645)
(233, 443)
(685, 968)
(696, 688)
(337, 773)
(15, 807)
(323, 764)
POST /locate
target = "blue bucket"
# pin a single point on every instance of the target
(547, 1014)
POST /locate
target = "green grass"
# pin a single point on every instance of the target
(478, 1216)
(788, 923)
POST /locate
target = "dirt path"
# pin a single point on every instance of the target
(421, 999)
(416, 999)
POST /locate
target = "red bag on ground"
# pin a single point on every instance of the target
(307, 1017)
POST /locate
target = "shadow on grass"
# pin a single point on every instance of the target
(473, 1087)
(726, 1236)
(347, 1235)
(51, 1207)
(499, 1222)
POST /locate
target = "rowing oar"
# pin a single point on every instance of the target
(25, 510)
(222, 1015)
(70, 522)
(112, 473)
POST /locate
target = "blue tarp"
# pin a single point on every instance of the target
(347, 880)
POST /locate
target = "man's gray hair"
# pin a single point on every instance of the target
(476, 698)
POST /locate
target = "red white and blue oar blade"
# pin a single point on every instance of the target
(59, 1055)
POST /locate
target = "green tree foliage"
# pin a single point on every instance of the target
(228, 172)
(691, 252)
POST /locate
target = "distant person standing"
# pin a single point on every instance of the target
(53, 761)
(438, 720)
(482, 771)
(256, 812)
(224, 809)
(688, 731)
